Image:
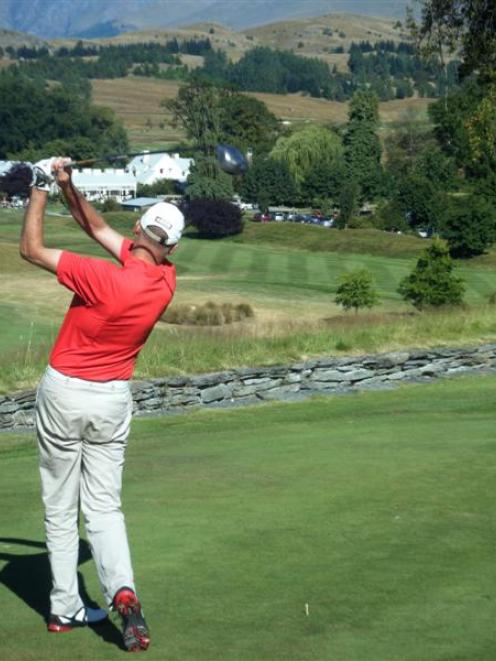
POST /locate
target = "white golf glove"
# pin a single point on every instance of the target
(42, 174)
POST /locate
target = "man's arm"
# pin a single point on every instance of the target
(31, 245)
(86, 216)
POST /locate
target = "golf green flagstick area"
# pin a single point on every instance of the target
(356, 528)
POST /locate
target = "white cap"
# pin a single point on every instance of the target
(166, 216)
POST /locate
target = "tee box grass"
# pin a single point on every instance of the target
(372, 513)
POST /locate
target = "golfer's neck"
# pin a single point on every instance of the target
(146, 255)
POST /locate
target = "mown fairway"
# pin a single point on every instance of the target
(376, 510)
(288, 274)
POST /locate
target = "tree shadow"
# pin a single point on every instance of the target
(28, 577)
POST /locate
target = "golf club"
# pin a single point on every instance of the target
(17, 180)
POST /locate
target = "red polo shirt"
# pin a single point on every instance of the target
(111, 315)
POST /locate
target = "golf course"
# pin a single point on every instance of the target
(344, 528)
(287, 273)
(352, 528)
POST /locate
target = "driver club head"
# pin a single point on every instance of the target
(231, 160)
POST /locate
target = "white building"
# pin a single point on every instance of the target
(149, 168)
(96, 184)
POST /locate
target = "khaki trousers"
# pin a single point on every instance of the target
(82, 428)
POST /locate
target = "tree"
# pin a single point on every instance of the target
(432, 282)
(246, 123)
(436, 167)
(469, 226)
(198, 108)
(214, 219)
(362, 145)
(267, 182)
(324, 180)
(481, 129)
(462, 124)
(451, 24)
(302, 149)
(35, 120)
(404, 144)
(201, 184)
(423, 204)
(356, 290)
(348, 200)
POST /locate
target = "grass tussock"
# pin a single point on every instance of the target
(208, 314)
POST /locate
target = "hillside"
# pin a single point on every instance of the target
(314, 37)
(17, 39)
(126, 97)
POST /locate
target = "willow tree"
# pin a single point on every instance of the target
(302, 149)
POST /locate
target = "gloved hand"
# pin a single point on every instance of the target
(43, 175)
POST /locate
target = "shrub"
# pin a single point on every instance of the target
(111, 205)
(208, 314)
(356, 290)
(214, 218)
(361, 223)
(432, 282)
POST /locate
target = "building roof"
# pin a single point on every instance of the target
(141, 202)
(103, 178)
(159, 166)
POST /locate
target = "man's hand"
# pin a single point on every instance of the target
(61, 171)
(42, 174)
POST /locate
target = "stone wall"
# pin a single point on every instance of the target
(289, 382)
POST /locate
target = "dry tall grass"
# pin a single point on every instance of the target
(137, 102)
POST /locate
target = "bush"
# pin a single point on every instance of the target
(361, 223)
(214, 219)
(356, 290)
(208, 314)
(160, 187)
(432, 282)
(111, 205)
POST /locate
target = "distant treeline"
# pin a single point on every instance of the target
(392, 70)
(141, 52)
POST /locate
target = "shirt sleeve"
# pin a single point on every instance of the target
(126, 248)
(89, 278)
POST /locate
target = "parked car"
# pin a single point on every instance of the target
(261, 217)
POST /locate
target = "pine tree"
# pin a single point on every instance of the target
(432, 282)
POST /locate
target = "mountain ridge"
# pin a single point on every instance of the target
(51, 19)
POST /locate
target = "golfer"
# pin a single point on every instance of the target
(84, 403)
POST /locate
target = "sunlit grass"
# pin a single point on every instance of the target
(286, 273)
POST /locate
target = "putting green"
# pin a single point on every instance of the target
(376, 510)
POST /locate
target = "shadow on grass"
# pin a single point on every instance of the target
(28, 577)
